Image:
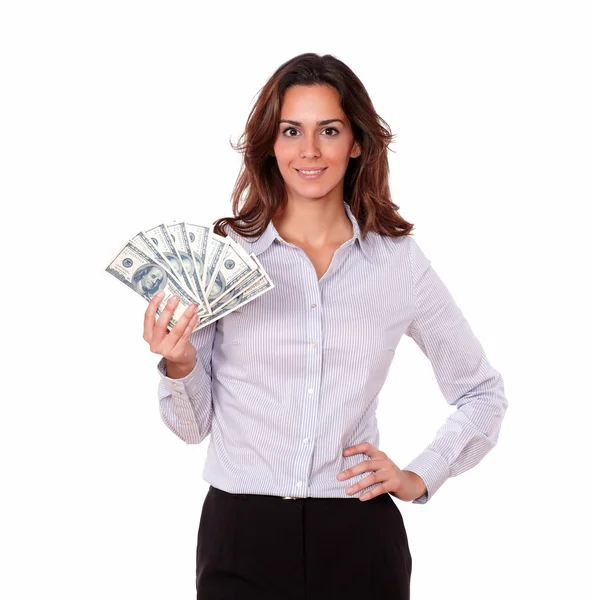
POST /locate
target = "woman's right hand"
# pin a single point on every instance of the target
(174, 345)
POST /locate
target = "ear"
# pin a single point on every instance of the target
(356, 150)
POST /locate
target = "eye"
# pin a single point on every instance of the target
(326, 129)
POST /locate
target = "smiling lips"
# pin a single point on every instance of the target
(310, 173)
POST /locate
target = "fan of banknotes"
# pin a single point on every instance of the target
(191, 262)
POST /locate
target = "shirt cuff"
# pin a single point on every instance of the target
(187, 385)
(432, 469)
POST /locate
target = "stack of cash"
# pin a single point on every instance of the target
(191, 262)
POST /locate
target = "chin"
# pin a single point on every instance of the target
(312, 194)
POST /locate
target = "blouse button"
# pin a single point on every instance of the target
(313, 306)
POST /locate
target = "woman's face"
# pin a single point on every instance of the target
(314, 133)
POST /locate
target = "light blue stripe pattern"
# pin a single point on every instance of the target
(286, 382)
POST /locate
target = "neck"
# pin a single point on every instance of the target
(314, 222)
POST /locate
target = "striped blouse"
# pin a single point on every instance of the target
(287, 381)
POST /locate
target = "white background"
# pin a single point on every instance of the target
(117, 116)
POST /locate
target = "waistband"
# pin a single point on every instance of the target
(380, 499)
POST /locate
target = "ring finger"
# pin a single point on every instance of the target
(361, 485)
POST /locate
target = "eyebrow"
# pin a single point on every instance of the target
(325, 122)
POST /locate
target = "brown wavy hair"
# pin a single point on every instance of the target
(260, 186)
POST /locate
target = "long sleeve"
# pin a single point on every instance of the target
(186, 403)
(464, 375)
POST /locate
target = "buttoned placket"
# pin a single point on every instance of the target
(314, 335)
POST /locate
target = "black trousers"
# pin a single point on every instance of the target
(252, 546)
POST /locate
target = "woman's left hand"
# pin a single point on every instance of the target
(405, 485)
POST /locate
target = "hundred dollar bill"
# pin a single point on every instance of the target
(142, 242)
(198, 236)
(234, 266)
(160, 237)
(145, 244)
(236, 291)
(248, 296)
(264, 284)
(261, 284)
(216, 248)
(180, 240)
(143, 275)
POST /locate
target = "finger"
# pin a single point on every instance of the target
(361, 485)
(179, 329)
(188, 331)
(371, 494)
(380, 488)
(356, 449)
(362, 467)
(164, 318)
(150, 315)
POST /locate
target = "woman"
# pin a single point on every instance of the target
(288, 384)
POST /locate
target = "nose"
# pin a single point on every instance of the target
(309, 148)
